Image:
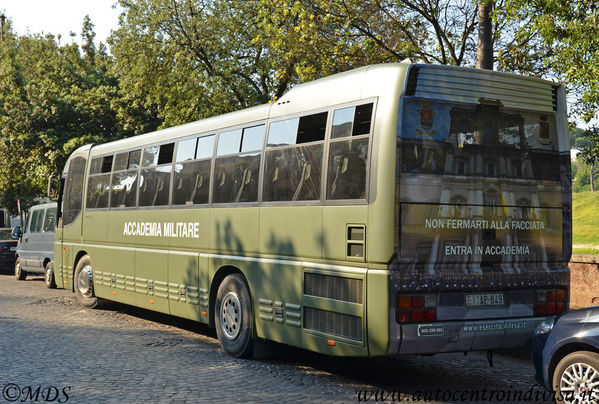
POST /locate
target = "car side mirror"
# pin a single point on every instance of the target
(16, 233)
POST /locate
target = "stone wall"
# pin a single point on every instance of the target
(584, 281)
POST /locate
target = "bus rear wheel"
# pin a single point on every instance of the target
(84, 285)
(234, 317)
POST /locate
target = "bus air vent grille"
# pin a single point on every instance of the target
(329, 322)
(555, 98)
(333, 287)
(412, 81)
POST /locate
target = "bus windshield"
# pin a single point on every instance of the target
(479, 188)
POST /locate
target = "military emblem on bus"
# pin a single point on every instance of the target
(427, 120)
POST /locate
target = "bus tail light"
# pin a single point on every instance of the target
(550, 302)
(416, 308)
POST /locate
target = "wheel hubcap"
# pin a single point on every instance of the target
(48, 275)
(84, 281)
(230, 316)
(18, 269)
(580, 384)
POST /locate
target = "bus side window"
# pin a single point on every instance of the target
(293, 173)
(154, 186)
(124, 189)
(191, 182)
(73, 195)
(348, 153)
(236, 178)
(98, 190)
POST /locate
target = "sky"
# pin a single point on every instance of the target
(61, 17)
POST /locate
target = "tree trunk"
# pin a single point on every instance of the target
(591, 177)
(484, 52)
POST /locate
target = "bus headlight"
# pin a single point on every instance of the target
(545, 326)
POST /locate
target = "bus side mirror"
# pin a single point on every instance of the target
(54, 186)
(16, 233)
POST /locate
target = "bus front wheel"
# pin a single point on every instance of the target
(49, 275)
(84, 286)
(234, 317)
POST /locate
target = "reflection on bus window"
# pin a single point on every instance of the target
(124, 189)
(186, 149)
(154, 186)
(293, 173)
(228, 142)
(205, 147)
(98, 190)
(191, 182)
(443, 138)
(236, 178)
(252, 138)
(347, 169)
(73, 195)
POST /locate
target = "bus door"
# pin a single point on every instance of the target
(70, 221)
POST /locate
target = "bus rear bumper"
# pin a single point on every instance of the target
(458, 336)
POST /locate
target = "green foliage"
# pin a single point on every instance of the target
(186, 61)
(577, 138)
(53, 99)
(571, 30)
(585, 221)
(581, 176)
(589, 149)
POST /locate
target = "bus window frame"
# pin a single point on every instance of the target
(371, 166)
(326, 143)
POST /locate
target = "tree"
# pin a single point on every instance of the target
(188, 60)
(571, 30)
(589, 153)
(484, 51)
(53, 99)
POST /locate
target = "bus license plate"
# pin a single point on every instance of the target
(485, 299)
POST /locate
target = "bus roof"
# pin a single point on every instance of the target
(439, 82)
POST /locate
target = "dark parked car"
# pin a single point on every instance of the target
(566, 355)
(8, 246)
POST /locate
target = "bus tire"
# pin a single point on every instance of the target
(19, 273)
(49, 275)
(233, 316)
(83, 283)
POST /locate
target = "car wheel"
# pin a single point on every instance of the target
(234, 317)
(19, 273)
(49, 275)
(84, 285)
(576, 378)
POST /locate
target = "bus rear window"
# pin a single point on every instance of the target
(477, 140)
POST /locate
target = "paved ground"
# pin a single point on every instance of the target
(121, 354)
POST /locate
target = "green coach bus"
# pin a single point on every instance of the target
(392, 209)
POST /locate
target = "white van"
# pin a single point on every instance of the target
(35, 251)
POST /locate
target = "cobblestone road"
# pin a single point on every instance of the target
(120, 354)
